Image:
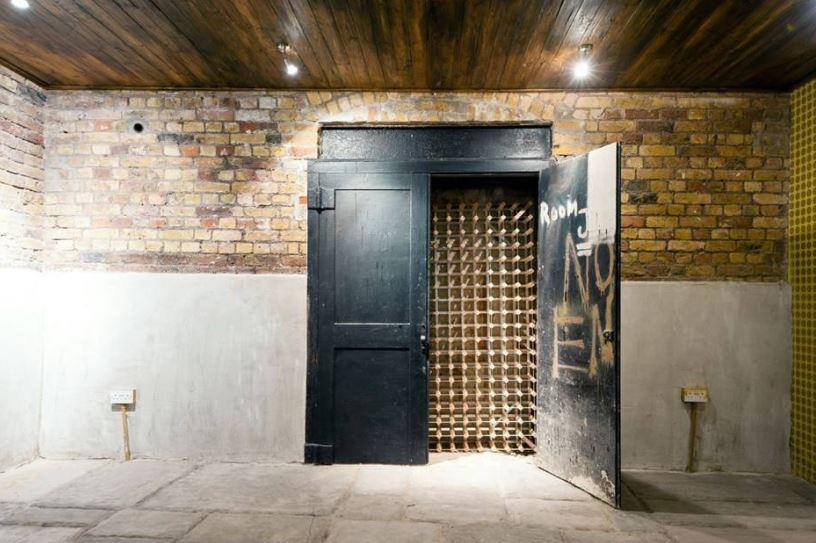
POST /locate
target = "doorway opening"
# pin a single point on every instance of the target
(482, 306)
(378, 293)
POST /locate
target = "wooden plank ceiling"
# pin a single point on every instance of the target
(411, 44)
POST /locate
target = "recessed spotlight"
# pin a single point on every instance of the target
(583, 67)
(291, 69)
(20, 4)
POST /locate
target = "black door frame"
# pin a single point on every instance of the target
(319, 415)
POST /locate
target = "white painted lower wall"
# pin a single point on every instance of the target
(219, 362)
(20, 365)
(734, 338)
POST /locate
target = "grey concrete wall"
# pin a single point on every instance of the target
(218, 362)
(20, 365)
(734, 338)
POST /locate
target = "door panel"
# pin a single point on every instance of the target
(578, 304)
(372, 228)
(371, 401)
(385, 426)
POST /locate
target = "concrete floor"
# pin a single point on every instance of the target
(468, 498)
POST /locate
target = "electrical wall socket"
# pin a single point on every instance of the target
(695, 394)
(123, 397)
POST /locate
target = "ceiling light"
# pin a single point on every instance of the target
(583, 67)
(20, 4)
(290, 67)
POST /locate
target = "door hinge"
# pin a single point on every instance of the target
(321, 198)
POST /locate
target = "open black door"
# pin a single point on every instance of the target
(368, 387)
(578, 426)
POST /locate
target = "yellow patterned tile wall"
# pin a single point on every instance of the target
(802, 274)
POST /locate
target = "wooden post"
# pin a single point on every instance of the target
(692, 437)
(125, 434)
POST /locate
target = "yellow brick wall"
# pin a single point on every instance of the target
(216, 181)
(802, 273)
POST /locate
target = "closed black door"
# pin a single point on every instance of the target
(578, 423)
(371, 290)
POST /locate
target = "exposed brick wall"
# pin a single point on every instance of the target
(21, 171)
(216, 181)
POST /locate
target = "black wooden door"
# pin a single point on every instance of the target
(578, 306)
(371, 280)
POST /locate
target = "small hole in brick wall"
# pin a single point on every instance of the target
(138, 127)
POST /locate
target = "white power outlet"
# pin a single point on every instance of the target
(695, 394)
(123, 397)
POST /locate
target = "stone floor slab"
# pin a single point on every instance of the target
(560, 514)
(523, 479)
(266, 488)
(382, 480)
(372, 507)
(737, 521)
(36, 479)
(717, 507)
(578, 536)
(459, 473)
(53, 516)
(500, 533)
(713, 487)
(457, 498)
(738, 535)
(457, 512)
(256, 528)
(727, 514)
(144, 523)
(454, 505)
(363, 531)
(798, 486)
(31, 534)
(633, 521)
(103, 539)
(7, 509)
(629, 501)
(116, 486)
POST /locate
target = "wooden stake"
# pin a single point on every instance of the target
(126, 435)
(692, 437)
